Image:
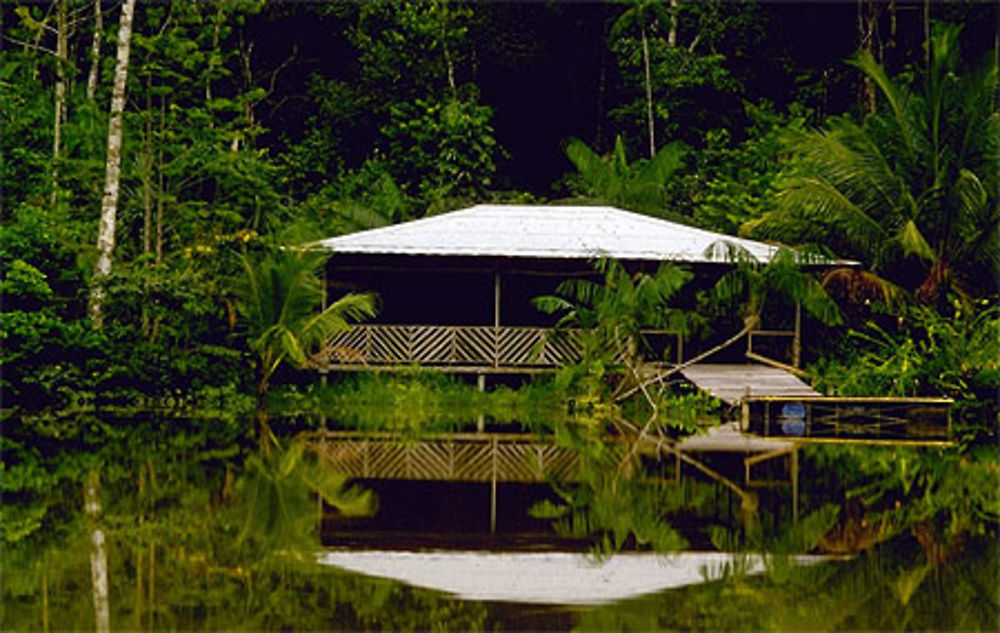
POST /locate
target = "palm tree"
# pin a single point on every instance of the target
(912, 190)
(637, 186)
(280, 298)
(749, 284)
(611, 314)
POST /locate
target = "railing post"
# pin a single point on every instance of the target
(496, 346)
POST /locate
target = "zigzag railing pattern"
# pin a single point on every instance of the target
(457, 457)
(473, 346)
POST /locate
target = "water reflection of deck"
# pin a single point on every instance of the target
(503, 457)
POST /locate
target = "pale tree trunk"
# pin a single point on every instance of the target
(649, 91)
(147, 173)
(62, 45)
(109, 204)
(672, 33)
(98, 553)
(160, 182)
(95, 52)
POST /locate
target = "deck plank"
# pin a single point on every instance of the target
(731, 383)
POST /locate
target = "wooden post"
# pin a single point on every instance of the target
(496, 318)
(493, 490)
(324, 302)
(797, 341)
(496, 299)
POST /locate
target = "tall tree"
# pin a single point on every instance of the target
(95, 51)
(646, 14)
(675, 55)
(112, 178)
(62, 59)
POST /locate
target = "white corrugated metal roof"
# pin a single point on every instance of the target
(566, 232)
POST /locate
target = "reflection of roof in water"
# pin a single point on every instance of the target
(544, 577)
(727, 438)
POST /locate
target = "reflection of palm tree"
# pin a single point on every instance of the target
(280, 296)
(612, 180)
(280, 491)
(913, 184)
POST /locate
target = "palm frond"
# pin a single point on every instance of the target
(913, 242)
(661, 167)
(589, 164)
(895, 95)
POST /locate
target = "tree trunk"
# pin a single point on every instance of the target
(160, 186)
(98, 552)
(674, 18)
(95, 52)
(109, 204)
(62, 45)
(147, 173)
(867, 24)
(649, 92)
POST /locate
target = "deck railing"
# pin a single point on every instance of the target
(467, 347)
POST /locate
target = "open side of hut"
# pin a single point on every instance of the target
(456, 288)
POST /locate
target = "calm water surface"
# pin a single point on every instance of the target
(191, 548)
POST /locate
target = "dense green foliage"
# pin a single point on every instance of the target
(393, 111)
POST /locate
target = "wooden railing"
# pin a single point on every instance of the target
(459, 347)
(777, 346)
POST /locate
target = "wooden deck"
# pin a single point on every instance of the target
(732, 383)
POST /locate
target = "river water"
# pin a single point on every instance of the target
(192, 546)
(175, 566)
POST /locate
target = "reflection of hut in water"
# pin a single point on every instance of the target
(456, 288)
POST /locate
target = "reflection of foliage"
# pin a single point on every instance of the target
(421, 402)
(279, 490)
(941, 497)
(888, 591)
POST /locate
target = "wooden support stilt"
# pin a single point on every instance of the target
(797, 340)
(794, 467)
(496, 299)
(493, 492)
